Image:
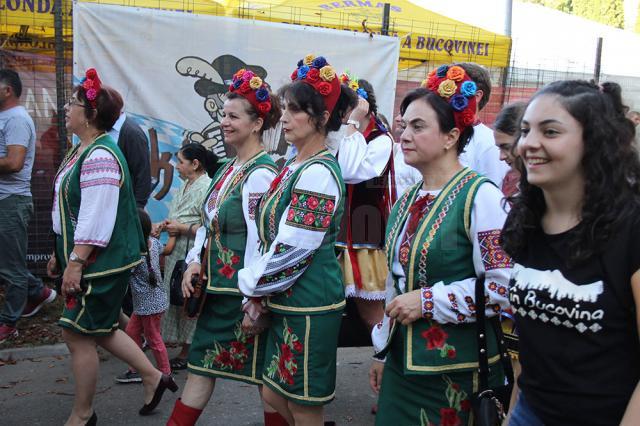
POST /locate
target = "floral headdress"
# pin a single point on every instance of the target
(454, 86)
(92, 85)
(251, 87)
(353, 83)
(317, 73)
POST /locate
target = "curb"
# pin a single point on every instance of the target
(34, 352)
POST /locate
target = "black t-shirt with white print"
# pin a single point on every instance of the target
(579, 344)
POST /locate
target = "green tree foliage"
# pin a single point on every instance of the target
(609, 12)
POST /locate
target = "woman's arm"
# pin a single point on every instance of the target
(360, 161)
(255, 186)
(632, 413)
(300, 232)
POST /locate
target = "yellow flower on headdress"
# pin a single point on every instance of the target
(455, 73)
(447, 88)
(353, 85)
(308, 60)
(327, 73)
(255, 82)
(424, 83)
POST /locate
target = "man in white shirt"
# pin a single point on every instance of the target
(481, 153)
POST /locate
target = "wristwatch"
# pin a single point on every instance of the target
(354, 123)
(73, 257)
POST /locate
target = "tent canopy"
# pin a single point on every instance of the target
(424, 35)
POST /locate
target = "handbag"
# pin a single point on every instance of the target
(490, 405)
(194, 303)
(175, 283)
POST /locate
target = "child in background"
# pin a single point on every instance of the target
(149, 303)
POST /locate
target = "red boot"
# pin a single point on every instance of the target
(274, 419)
(183, 415)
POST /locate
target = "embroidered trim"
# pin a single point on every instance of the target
(254, 199)
(232, 357)
(284, 364)
(104, 181)
(426, 297)
(310, 210)
(493, 256)
(100, 164)
(99, 243)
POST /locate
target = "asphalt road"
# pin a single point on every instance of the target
(39, 391)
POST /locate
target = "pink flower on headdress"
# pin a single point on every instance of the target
(248, 75)
(92, 94)
(324, 88)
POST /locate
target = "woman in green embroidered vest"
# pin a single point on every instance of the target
(221, 349)
(98, 240)
(196, 165)
(442, 234)
(297, 270)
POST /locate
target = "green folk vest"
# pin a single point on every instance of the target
(228, 230)
(127, 244)
(441, 250)
(319, 289)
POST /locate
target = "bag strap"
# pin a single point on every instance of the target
(481, 338)
(186, 250)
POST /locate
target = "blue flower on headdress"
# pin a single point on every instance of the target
(362, 93)
(458, 102)
(300, 63)
(319, 62)
(302, 72)
(468, 88)
(237, 83)
(262, 94)
(442, 71)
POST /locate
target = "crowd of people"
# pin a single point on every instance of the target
(458, 243)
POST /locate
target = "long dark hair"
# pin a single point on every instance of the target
(208, 160)
(145, 222)
(610, 165)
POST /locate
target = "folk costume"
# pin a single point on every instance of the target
(296, 268)
(220, 348)
(367, 165)
(440, 242)
(94, 204)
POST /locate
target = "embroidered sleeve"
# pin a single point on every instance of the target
(310, 212)
(100, 176)
(286, 265)
(360, 161)
(315, 197)
(256, 184)
(455, 302)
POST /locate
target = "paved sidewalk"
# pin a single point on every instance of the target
(39, 391)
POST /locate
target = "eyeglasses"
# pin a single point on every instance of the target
(76, 103)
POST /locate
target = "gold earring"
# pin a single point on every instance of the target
(86, 124)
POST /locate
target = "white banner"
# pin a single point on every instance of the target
(173, 69)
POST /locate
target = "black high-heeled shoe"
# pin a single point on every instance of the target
(166, 382)
(93, 420)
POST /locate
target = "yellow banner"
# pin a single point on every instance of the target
(424, 35)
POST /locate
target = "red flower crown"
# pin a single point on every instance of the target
(92, 85)
(317, 73)
(251, 87)
(454, 86)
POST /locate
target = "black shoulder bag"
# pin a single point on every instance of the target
(489, 405)
(175, 284)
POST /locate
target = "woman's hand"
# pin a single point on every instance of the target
(187, 288)
(173, 227)
(71, 279)
(360, 111)
(406, 308)
(375, 375)
(53, 271)
(156, 229)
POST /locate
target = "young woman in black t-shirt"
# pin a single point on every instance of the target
(574, 234)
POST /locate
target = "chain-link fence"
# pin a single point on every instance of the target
(29, 45)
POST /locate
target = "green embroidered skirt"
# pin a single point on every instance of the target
(300, 359)
(96, 311)
(426, 399)
(220, 348)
